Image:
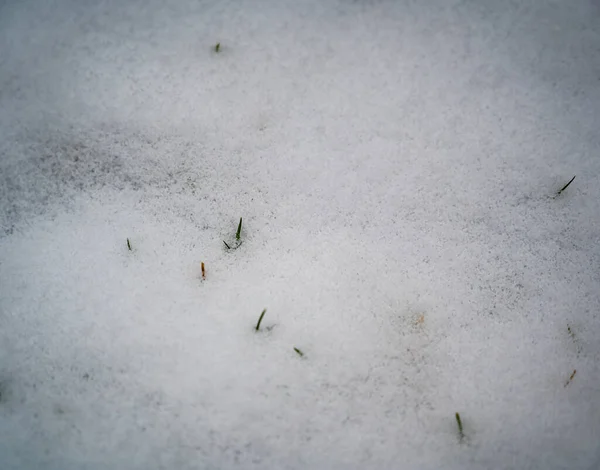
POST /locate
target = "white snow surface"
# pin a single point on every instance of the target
(396, 165)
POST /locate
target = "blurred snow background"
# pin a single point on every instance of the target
(395, 163)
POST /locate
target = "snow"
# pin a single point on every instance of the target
(396, 165)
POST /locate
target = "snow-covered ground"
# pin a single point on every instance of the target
(395, 164)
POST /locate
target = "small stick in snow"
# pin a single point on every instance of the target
(129, 245)
(566, 186)
(203, 271)
(571, 378)
(460, 427)
(217, 47)
(228, 247)
(260, 319)
(300, 353)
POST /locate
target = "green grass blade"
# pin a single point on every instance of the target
(460, 427)
(566, 185)
(239, 230)
(260, 319)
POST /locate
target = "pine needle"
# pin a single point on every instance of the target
(217, 47)
(129, 244)
(300, 353)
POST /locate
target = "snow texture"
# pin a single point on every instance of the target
(396, 165)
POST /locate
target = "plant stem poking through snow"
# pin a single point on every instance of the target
(460, 427)
(300, 353)
(239, 231)
(203, 271)
(565, 186)
(129, 244)
(260, 319)
(238, 235)
(571, 378)
(217, 47)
